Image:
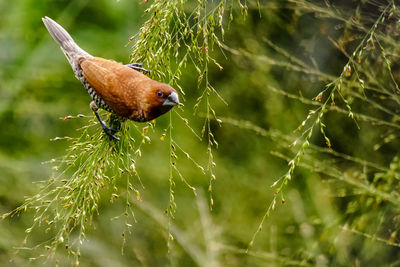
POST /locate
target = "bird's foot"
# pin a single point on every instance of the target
(107, 130)
(137, 66)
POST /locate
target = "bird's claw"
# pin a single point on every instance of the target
(110, 132)
(137, 66)
(109, 129)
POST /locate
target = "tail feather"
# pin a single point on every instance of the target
(62, 37)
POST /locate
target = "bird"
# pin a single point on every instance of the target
(120, 89)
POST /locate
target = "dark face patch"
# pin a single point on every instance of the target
(158, 93)
(157, 111)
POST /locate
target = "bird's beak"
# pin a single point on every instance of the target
(172, 100)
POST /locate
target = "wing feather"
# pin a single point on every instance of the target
(118, 85)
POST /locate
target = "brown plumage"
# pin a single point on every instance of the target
(126, 91)
(118, 88)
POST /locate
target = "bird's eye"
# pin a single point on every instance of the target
(159, 93)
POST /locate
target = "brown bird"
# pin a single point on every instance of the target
(120, 89)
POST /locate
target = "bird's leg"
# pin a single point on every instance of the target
(137, 66)
(108, 130)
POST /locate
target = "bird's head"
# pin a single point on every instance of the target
(160, 98)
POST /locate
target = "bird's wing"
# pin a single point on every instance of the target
(105, 78)
(99, 73)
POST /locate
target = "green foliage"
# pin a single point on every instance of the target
(315, 117)
(67, 202)
(305, 144)
(169, 40)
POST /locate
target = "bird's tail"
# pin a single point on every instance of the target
(71, 50)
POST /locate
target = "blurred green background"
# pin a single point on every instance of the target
(336, 211)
